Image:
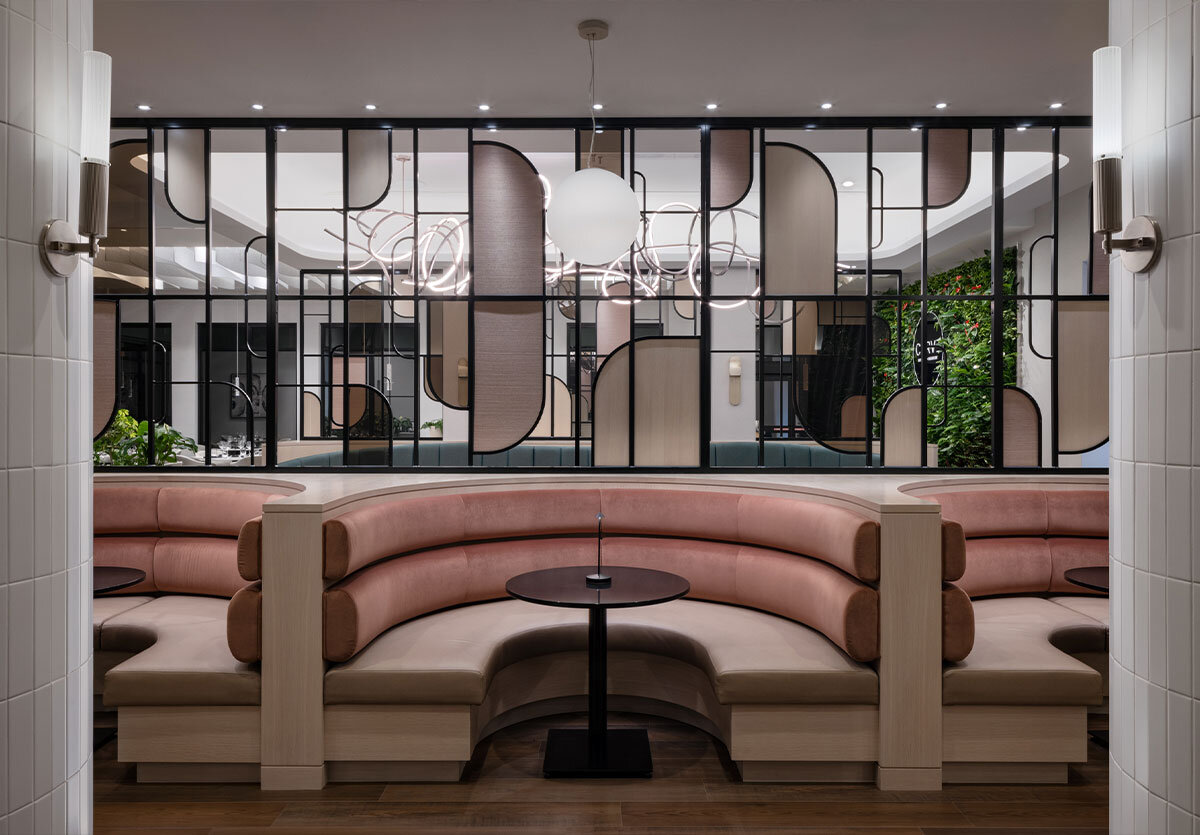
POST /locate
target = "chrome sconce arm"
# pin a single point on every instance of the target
(60, 246)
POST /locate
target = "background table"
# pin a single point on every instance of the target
(106, 578)
(1094, 577)
(598, 751)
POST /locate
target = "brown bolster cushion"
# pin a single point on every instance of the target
(249, 549)
(119, 509)
(958, 624)
(243, 624)
(835, 535)
(954, 551)
(358, 609)
(217, 511)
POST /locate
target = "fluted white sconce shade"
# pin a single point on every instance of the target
(1106, 102)
(593, 216)
(1142, 243)
(97, 96)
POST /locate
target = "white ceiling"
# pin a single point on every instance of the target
(440, 58)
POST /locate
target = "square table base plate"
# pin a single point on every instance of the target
(628, 754)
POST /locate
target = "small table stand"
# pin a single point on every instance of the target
(598, 751)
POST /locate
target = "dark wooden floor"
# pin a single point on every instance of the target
(695, 789)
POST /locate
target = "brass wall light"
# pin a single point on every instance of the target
(60, 246)
(1143, 242)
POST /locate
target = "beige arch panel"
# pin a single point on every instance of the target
(1022, 429)
(667, 405)
(446, 366)
(555, 421)
(612, 320)
(854, 417)
(1082, 352)
(508, 223)
(310, 415)
(104, 364)
(369, 166)
(606, 149)
(949, 168)
(184, 172)
(357, 377)
(508, 374)
(799, 223)
(902, 428)
(730, 166)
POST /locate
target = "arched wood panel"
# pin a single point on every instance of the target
(731, 168)
(104, 364)
(902, 428)
(1082, 352)
(368, 166)
(666, 422)
(508, 373)
(1022, 429)
(949, 168)
(183, 176)
(799, 222)
(508, 223)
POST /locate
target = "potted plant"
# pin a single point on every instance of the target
(124, 443)
(431, 429)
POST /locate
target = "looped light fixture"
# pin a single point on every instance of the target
(60, 247)
(593, 216)
(1139, 251)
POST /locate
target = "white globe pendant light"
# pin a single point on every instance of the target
(593, 216)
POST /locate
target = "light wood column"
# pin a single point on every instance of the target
(910, 667)
(293, 733)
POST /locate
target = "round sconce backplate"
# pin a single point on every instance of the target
(62, 264)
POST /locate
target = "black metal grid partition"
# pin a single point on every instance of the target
(819, 294)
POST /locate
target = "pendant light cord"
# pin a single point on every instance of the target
(592, 95)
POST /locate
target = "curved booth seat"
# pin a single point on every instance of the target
(1019, 699)
(748, 656)
(435, 453)
(772, 649)
(173, 654)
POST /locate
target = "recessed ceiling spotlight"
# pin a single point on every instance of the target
(143, 107)
(712, 105)
(1055, 105)
(492, 129)
(256, 106)
(597, 106)
(485, 107)
(826, 105)
(941, 105)
(915, 128)
(599, 131)
(369, 106)
(1022, 128)
(847, 184)
(282, 130)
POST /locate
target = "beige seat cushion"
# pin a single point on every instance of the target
(1020, 656)
(182, 656)
(1093, 607)
(105, 608)
(450, 657)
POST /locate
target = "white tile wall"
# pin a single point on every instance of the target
(1155, 666)
(45, 470)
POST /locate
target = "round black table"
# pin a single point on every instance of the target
(1094, 577)
(599, 751)
(106, 578)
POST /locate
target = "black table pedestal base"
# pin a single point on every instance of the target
(626, 754)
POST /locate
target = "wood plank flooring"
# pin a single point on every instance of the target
(695, 789)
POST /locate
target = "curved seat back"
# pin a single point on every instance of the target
(1022, 541)
(806, 561)
(188, 540)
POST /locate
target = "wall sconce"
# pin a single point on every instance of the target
(60, 246)
(1139, 251)
(735, 381)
